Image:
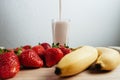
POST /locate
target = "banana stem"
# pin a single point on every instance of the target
(98, 66)
(57, 71)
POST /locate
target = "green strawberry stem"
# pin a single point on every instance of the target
(6, 50)
(66, 45)
(1, 51)
(39, 43)
(57, 45)
(19, 51)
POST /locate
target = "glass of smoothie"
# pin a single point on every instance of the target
(60, 31)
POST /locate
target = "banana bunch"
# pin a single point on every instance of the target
(83, 57)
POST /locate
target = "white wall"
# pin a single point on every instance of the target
(93, 22)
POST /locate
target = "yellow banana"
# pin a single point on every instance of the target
(108, 58)
(73, 49)
(76, 61)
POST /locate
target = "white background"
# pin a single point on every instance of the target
(93, 22)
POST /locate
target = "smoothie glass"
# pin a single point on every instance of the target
(60, 31)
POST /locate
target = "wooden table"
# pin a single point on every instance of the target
(48, 74)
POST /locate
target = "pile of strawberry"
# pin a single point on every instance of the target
(42, 55)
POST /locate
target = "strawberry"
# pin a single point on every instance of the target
(39, 50)
(26, 47)
(65, 50)
(46, 45)
(9, 65)
(30, 59)
(53, 56)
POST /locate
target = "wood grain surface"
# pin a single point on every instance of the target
(48, 74)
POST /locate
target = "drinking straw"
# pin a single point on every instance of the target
(60, 9)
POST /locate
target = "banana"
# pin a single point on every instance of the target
(76, 61)
(115, 48)
(108, 58)
(73, 49)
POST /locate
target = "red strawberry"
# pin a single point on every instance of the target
(26, 47)
(53, 56)
(65, 50)
(9, 65)
(46, 45)
(30, 59)
(39, 50)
